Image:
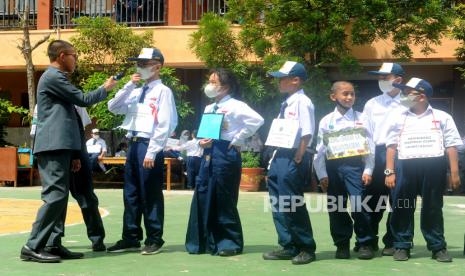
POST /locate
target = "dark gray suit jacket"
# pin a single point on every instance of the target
(57, 121)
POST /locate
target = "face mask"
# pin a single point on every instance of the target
(385, 85)
(145, 72)
(345, 108)
(211, 91)
(408, 101)
(96, 136)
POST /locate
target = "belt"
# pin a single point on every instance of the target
(136, 139)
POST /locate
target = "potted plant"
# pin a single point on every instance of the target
(252, 174)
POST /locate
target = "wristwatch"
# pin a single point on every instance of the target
(388, 172)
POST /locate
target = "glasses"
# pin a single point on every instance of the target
(146, 64)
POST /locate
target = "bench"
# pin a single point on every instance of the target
(169, 162)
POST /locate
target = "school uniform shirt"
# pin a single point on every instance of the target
(300, 107)
(431, 118)
(240, 121)
(160, 98)
(192, 148)
(99, 141)
(378, 111)
(335, 121)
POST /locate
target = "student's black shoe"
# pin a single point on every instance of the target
(442, 256)
(401, 254)
(151, 249)
(41, 256)
(304, 257)
(228, 252)
(388, 251)
(365, 253)
(98, 247)
(280, 254)
(343, 252)
(123, 246)
(64, 253)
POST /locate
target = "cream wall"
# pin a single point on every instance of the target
(173, 41)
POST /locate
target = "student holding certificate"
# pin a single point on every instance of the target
(150, 118)
(214, 224)
(291, 133)
(344, 164)
(416, 165)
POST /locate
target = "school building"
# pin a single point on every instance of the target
(172, 22)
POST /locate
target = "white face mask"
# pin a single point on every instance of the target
(385, 86)
(408, 101)
(211, 90)
(145, 72)
(95, 136)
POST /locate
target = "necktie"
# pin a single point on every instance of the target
(142, 95)
(281, 110)
(215, 108)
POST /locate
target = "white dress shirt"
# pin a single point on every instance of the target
(432, 117)
(192, 148)
(99, 141)
(300, 107)
(240, 121)
(157, 96)
(379, 111)
(335, 121)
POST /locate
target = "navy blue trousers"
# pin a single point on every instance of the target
(214, 222)
(345, 181)
(425, 177)
(193, 167)
(378, 193)
(143, 195)
(286, 183)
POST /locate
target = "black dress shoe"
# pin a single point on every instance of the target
(304, 257)
(228, 252)
(98, 247)
(343, 252)
(63, 252)
(40, 256)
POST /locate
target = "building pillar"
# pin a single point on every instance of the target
(174, 12)
(44, 14)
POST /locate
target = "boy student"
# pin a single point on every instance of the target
(344, 140)
(287, 168)
(378, 111)
(418, 138)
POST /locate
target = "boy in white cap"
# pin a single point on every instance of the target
(416, 165)
(97, 148)
(378, 111)
(150, 118)
(286, 173)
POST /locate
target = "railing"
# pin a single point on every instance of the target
(130, 12)
(194, 9)
(10, 10)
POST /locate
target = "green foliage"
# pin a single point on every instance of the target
(250, 159)
(6, 108)
(104, 47)
(315, 33)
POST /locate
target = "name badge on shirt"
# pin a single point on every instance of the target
(420, 144)
(284, 133)
(346, 143)
(140, 117)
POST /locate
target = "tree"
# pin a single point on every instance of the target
(6, 108)
(103, 47)
(318, 32)
(26, 50)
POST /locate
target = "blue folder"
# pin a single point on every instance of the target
(210, 126)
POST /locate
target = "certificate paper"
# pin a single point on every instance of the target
(420, 144)
(139, 118)
(210, 126)
(346, 143)
(284, 133)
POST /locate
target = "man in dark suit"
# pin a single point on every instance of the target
(57, 145)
